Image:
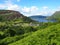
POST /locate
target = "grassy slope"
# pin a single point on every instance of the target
(56, 15)
(48, 36)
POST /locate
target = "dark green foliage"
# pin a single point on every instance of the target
(9, 40)
(9, 30)
(48, 36)
(29, 29)
(10, 33)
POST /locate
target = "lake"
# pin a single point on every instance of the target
(42, 20)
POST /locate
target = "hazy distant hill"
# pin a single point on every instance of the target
(38, 16)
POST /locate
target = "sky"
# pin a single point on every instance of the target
(31, 7)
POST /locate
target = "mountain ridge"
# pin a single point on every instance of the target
(8, 15)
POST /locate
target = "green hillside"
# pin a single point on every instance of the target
(48, 36)
(14, 26)
(55, 16)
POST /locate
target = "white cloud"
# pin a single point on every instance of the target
(28, 11)
(15, 7)
(46, 11)
(2, 6)
(34, 8)
(58, 9)
(45, 7)
(9, 5)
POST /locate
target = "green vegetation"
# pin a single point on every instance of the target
(55, 16)
(48, 36)
(16, 29)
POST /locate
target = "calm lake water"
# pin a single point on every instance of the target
(43, 20)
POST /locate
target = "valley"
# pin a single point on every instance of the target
(17, 29)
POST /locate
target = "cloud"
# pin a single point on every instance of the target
(13, 7)
(45, 7)
(9, 5)
(28, 11)
(45, 10)
(2, 6)
(58, 9)
(34, 10)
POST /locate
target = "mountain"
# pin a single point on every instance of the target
(55, 16)
(9, 15)
(39, 18)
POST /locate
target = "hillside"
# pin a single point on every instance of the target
(9, 15)
(55, 16)
(21, 30)
(14, 26)
(48, 36)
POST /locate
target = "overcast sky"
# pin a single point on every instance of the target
(31, 7)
